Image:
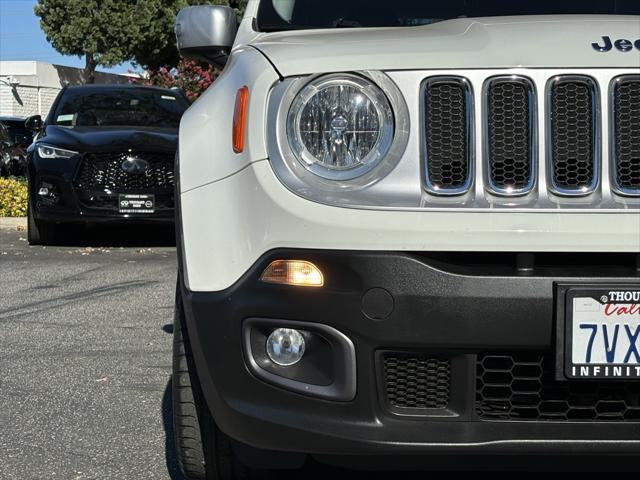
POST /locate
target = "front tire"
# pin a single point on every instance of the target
(202, 450)
(40, 233)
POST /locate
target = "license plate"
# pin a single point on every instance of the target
(602, 331)
(136, 203)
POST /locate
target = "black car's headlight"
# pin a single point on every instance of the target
(340, 126)
(47, 151)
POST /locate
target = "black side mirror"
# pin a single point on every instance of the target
(34, 123)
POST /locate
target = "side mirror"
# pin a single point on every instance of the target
(34, 123)
(206, 32)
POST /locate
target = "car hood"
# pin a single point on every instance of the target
(103, 139)
(562, 41)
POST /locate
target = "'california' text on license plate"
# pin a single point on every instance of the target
(603, 334)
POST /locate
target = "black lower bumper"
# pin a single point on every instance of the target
(455, 308)
(70, 201)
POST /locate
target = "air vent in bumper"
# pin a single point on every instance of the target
(522, 387)
(415, 381)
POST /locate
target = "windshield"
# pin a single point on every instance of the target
(277, 15)
(124, 107)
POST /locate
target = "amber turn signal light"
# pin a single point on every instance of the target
(293, 272)
(240, 119)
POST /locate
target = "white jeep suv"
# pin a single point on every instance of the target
(409, 230)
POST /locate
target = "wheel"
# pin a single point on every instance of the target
(40, 233)
(202, 450)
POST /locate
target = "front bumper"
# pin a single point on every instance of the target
(76, 204)
(454, 306)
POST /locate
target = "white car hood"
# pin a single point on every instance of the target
(560, 41)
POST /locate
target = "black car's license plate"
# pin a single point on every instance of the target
(601, 333)
(136, 203)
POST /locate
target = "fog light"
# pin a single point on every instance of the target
(285, 346)
(293, 272)
(43, 192)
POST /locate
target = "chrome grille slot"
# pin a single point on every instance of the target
(626, 134)
(573, 136)
(510, 135)
(448, 112)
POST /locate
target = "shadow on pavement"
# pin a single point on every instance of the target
(117, 236)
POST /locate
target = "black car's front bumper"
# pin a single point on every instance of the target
(457, 308)
(76, 203)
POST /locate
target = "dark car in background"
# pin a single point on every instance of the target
(15, 138)
(104, 154)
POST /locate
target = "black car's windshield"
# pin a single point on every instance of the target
(123, 107)
(277, 15)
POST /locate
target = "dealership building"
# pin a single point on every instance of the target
(30, 87)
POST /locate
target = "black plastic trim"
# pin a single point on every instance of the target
(343, 386)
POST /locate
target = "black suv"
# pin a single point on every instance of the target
(105, 153)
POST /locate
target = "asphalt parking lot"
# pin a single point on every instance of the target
(85, 359)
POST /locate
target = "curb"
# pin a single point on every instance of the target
(13, 223)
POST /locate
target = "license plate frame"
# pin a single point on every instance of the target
(132, 204)
(569, 296)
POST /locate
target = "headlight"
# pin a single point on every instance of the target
(340, 126)
(47, 151)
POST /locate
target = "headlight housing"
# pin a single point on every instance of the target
(47, 151)
(340, 126)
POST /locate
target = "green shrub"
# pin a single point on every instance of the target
(13, 197)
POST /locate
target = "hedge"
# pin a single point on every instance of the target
(13, 197)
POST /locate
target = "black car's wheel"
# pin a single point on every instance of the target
(203, 451)
(40, 233)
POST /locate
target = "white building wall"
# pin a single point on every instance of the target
(38, 85)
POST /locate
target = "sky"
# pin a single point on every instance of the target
(22, 39)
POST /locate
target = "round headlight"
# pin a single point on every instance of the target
(340, 126)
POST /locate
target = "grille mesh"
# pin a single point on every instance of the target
(417, 381)
(509, 139)
(627, 133)
(447, 135)
(104, 171)
(572, 134)
(523, 387)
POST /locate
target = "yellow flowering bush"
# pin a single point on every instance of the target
(13, 197)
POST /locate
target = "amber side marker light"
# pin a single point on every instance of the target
(240, 119)
(293, 272)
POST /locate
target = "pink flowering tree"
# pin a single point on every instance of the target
(189, 76)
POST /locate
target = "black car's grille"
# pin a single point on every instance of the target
(573, 155)
(104, 171)
(523, 387)
(415, 381)
(448, 134)
(509, 147)
(627, 133)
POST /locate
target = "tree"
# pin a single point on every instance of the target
(110, 32)
(189, 76)
(105, 32)
(159, 49)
